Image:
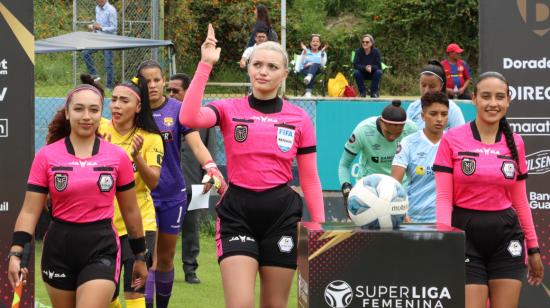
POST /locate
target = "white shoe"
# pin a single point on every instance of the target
(307, 79)
(307, 94)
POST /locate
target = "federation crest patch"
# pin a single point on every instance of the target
(285, 244)
(285, 138)
(515, 248)
(240, 133)
(468, 166)
(61, 180)
(168, 121)
(508, 170)
(105, 182)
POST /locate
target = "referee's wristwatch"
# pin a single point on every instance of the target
(18, 254)
(141, 257)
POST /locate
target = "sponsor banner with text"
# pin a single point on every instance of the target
(515, 41)
(16, 132)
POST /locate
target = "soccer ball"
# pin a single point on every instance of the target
(378, 201)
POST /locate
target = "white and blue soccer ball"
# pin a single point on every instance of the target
(378, 201)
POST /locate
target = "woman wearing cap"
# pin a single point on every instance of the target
(376, 139)
(458, 73)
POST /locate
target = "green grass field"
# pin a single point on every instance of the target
(209, 293)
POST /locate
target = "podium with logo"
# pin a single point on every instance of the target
(340, 265)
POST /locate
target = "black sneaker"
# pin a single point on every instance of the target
(192, 278)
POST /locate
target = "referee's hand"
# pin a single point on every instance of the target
(535, 269)
(139, 275)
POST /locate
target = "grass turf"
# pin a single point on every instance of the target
(209, 293)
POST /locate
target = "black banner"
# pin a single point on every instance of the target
(16, 129)
(515, 41)
(340, 265)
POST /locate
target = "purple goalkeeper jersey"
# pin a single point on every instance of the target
(171, 186)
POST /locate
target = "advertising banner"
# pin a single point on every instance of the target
(340, 265)
(515, 41)
(16, 130)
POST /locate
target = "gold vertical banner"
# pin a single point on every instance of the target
(16, 133)
(515, 41)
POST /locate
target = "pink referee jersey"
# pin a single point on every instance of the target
(482, 173)
(483, 176)
(81, 190)
(264, 142)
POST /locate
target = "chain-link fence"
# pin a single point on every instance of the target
(56, 73)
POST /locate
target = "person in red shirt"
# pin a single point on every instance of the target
(82, 174)
(458, 73)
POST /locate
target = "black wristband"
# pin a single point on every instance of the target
(18, 254)
(532, 251)
(20, 238)
(137, 245)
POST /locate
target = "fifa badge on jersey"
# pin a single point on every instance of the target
(508, 170)
(105, 182)
(168, 121)
(285, 138)
(61, 180)
(468, 166)
(420, 170)
(240, 133)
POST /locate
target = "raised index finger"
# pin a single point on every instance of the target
(211, 33)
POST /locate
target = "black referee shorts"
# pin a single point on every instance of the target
(127, 261)
(494, 244)
(75, 253)
(262, 225)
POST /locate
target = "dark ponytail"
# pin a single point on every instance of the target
(394, 113)
(509, 135)
(503, 123)
(60, 127)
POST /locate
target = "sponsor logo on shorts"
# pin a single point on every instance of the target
(508, 170)
(240, 133)
(53, 274)
(60, 181)
(468, 166)
(105, 182)
(514, 248)
(285, 244)
(242, 239)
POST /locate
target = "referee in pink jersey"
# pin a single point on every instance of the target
(258, 215)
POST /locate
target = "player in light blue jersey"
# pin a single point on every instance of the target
(416, 155)
(432, 79)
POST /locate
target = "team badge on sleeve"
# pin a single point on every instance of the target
(105, 182)
(468, 166)
(61, 180)
(285, 138)
(508, 170)
(240, 133)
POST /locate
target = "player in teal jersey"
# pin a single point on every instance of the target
(376, 140)
(416, 155)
